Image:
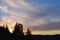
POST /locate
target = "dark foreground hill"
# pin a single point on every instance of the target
(45, 37)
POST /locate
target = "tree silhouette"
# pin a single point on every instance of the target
(28, 34)
(4, 33)
(18, 32)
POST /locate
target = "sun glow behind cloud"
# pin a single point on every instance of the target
(33, 15)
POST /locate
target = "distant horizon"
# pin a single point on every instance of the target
(41, 32)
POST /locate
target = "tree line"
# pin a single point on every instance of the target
(17, 33)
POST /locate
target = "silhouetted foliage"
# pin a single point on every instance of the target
(28, 34)
(4, 33)
(18, 34)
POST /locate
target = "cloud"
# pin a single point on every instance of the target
(47, 27)
(34, 16)
(22, 12)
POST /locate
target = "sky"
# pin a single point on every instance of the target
(41, 16)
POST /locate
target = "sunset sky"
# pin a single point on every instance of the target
(41, 16)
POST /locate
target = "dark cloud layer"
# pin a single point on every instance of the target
(47, 27)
